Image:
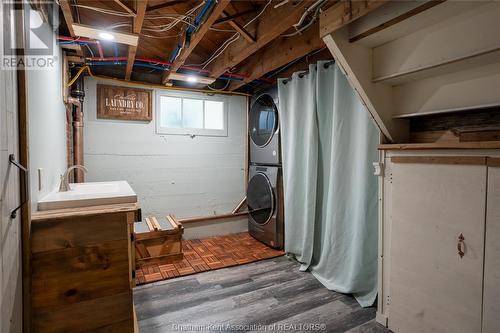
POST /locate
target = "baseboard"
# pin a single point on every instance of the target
(382, 319)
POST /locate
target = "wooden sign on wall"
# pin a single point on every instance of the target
(124, 103)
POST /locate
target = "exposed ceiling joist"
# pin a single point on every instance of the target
(304, 63)
(301, 65)
(280, 53)
(344, 13)
(165, 5)
(236, 26)
(124, 6)
(68, 17)
(235, 16)
(196, 38)
(272, 24)
(137, 27)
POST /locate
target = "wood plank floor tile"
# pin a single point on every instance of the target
(271, 293)
(210, 253)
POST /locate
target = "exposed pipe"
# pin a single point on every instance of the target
(78, 143)
(200, 17)
(78, 94)
(154, 61)
(150, 85)
(115, 61)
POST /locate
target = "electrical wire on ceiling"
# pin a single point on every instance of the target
(105, 11)
(176, 19)
(220, 89)
(231, 39)
(222, 30)
(300, 27)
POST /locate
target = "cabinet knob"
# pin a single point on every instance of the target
(461, 245)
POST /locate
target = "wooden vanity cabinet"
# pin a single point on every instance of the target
(440, 253)
(82, 269)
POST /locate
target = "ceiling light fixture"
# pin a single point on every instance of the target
(82, 30)
(106, 36)
(190, 78)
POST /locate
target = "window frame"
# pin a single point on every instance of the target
(191, 131)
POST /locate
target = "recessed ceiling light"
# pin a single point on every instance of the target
(192, 79)
(106, 36)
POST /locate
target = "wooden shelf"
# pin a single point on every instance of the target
(441, 145)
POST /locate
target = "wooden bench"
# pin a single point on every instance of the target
(158, 241)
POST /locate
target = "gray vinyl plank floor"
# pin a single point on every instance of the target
(270, 295)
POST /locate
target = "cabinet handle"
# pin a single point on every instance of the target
(459, 245)
(12, 159)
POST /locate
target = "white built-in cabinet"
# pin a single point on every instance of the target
(440, 252)
(491, 302)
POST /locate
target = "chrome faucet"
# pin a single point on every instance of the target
(64, 186)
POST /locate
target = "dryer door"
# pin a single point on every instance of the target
(263, 120)
(260, 199)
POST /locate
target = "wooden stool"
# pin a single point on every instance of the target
(158, 241)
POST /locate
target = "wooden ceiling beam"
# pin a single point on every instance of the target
(299, 66)
(344, 12)
(165, 5)
(196, 38)
(271, 24)
(68, 17)
(141, 6)
(278, 54)
(235, 16)
(124, 6)
(236, 26)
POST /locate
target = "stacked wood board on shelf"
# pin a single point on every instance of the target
(477, 125)
(158, 240)
(83, 269)
(439, 255)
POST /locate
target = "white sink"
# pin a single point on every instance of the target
(89, 194)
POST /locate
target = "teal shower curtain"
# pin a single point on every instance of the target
(329, 144)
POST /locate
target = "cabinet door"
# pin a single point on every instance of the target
(491, 307)
(433, 288)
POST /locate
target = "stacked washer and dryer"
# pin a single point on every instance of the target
(265, 185)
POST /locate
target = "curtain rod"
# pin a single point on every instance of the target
(305, 72)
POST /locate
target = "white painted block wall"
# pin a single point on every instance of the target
(47, 130)
(171, 174)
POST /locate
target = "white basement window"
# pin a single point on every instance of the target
(187, 115)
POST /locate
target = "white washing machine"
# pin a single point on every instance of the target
(264, 129)
(264, 200)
